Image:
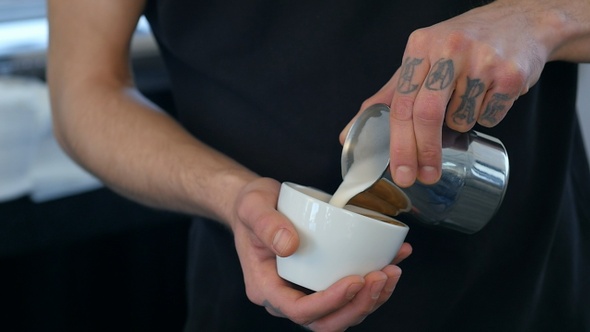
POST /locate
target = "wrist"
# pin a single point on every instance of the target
(213, 194)
(560, 29)
(233, 184)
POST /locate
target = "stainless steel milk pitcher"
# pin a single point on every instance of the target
(473, 181)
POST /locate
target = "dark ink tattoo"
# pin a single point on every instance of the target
(495, 108)
(465, 114)
(441, 75)
(274, 310)
(404, 84)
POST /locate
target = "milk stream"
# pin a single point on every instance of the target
(360, 176)
(371, 157)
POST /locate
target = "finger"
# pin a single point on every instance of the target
(393, 273)
(429, 113)
(305, 309)
(404, 252)
(344, 304)
(257, 211)
(509, 83)
(403, 147)
(344, 132)
(495, 108)
(337, 296)
(465, 104)
(353, 313)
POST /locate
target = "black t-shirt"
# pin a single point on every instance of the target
(272, 84)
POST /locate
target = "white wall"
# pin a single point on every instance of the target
(584, 103)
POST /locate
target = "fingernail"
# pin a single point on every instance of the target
(282, 240)
(353, 289)
(428, 174)
(376, 289)
(404, 176)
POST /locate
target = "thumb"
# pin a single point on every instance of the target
(285, 241)
(257, 211)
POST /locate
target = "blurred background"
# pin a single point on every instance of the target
(73, 255)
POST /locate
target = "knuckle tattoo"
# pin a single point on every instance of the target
(465, 113)
(496, 108)
(441, 75)
(408, 69)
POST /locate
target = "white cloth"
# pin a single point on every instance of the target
(31, 161)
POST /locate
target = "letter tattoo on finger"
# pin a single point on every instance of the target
(404, 84)
(465, 113)
(441, 75)
(495, 108)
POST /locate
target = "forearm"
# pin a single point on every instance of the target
(143, 153)
(563, 26)
(108, 127)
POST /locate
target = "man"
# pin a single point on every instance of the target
(264, 88)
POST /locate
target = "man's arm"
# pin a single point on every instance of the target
(106, 125)
(471, 68)
(570, 32)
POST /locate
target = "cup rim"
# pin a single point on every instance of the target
(314, 192)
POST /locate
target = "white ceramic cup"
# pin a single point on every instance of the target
(334, 242)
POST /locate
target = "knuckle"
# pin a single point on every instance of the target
(429, 154)
(244, 206)
(264, 226)
(402, 108)
(488, 62)
(260, 221)
(254, 295)
(402, 151)
(372, 102)
(366, 311)
(429, 109)
(300, 319)
(418, 38)
(457, 41)
(512, 77)
(367, 103)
